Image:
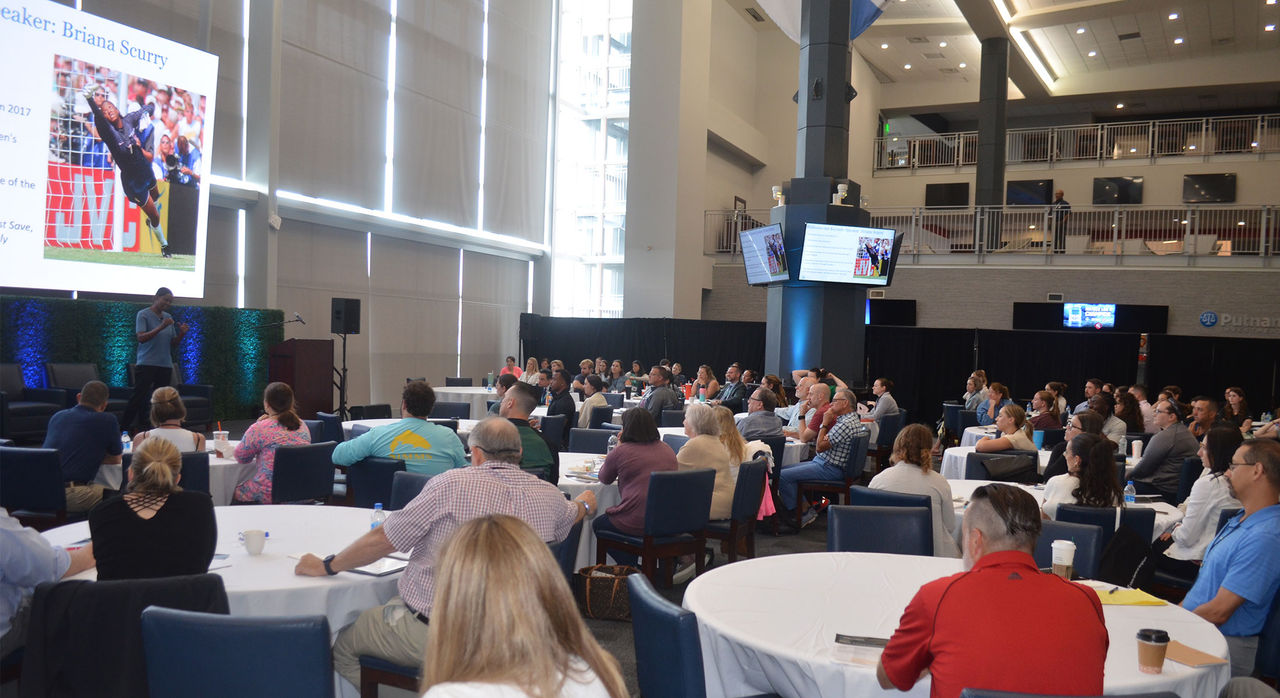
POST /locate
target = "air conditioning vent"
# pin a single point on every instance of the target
(876, 293)
(1224, 41)
(1130, 35)
(948, 71)
(754, 14)
(917, 39)
(1055, 297)
(934, 56)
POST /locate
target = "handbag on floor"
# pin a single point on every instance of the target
(601, 591)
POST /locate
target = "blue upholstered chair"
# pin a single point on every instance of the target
(615, 400)
(1267, 662)
(741, 524)
(1052, 437)
(566, 551)
(369, 481)
(315, 427)
(31, 486)
(590, 440)
(375, 671)
(837, 489)
(975, 469)
(890, 425)
(951, 418)
(968, 418)
(860, 496)
(1192, 468)
(458, 382)
(895, 529)
(1088, 540)
(25, 412)
(195, 471)
(600, 416)
(553, 430)
(332, 430)
(672, 418)
(675, 522)
(380, 411)
(404, 487)
(675, 441)
(1142, 521)
(303, 473)
(451, 410)
(198, 655)
(358, 429)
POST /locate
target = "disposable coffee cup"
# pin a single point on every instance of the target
(253, 541)
(1152, 644)
(1064, 557)
(1137, 448)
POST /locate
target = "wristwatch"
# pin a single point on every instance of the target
(586, 508)
(328, 569)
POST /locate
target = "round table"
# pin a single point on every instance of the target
(476, 397)
(953, 460)
(767, 625)
(973, 435)
(571, 464)
(225, 474)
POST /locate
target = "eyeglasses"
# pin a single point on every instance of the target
(1233, 465)
(753, 398)
(1073, 425)
(840, 399)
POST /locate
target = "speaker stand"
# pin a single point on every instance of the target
(341, 383)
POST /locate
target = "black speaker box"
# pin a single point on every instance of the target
(346, 316)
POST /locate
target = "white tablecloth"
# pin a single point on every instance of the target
(477, 397)
(767, 625)
(961, 490)
(953, 460)
(973, 435)
(606, 496)
(225, 474)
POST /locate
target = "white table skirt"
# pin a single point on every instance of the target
(973, 435)
(767, 625)
(953, 460)
(606, 496)
(225, 474)
(476, 397)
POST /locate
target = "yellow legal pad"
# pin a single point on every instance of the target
(1127, 597)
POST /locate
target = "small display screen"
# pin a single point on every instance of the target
(763, 254)
(1095, 315)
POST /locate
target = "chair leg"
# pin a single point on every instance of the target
(751, 539)
(602, 551)
(732, 552)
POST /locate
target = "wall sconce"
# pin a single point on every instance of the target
(842, 190)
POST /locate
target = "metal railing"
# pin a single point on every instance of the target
(722, 227)
(1204, 137)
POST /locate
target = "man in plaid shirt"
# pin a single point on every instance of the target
(492, 484)
(840, 429)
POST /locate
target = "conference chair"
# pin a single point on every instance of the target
(1142, 436)
(380, 411)
(195, 471)
(890, 425)
(1052, 437)
(70, 378)
(1142, 521)
(488, 405)
(404, 487)
(31, 486)
(332, 430)
(25, 412)
(303, 473)
(458, 382)
(358, 429)
(196, 397)
(975, 464)
(566, 551)
(893, 529)
(315, 427)
(614, 400)
(672, 418)
(778, 446)
(675, 522)
(1192, 468)
(675, 441)
(1088, 540)
(590, 440)
(836, 490)
(968, 418)
(1266, 663)
(951, 421)
(451, 410)
(375, 671)
(600, 416)
(207, 655)
(1225, 515)
(369, 481)
(553, 429)
(741, 524)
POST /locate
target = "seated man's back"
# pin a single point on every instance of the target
(425, 447)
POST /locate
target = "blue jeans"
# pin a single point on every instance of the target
(792, 475)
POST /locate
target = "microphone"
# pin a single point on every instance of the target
(299, 318)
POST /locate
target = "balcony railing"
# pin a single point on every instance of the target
(1118, 141)
(722, 227)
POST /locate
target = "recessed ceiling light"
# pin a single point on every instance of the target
(1093, 53)
(1178, 40)
(1119, 105)
(1173, 16)
(1079, 30)
(1269, 28)
(884, 45)
(964, 65)
(907, 67)
(942, 44)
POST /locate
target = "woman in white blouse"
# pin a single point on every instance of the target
(912, 473)
(530, 374)
(1184, 546)
(593, 389)
(167, 413)
(504, 623)
(1015, 432)
(1090, 479)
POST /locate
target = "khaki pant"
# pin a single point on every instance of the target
(81, 498)
(390, 631)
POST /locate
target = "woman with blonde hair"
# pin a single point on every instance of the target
(730, 437)
(167, 413)
(530, 374)
(912, 473)
(155, 529)
(504, 623)
(1015, 432)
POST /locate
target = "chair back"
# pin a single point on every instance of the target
(890, 425)
(1088, 540)
(303, 473)
(369, 481)
(316, 428)
(404, 487)
(195, 472)
(678, 502)
(332, 430)
(857, 457)
(207, 655)
(748, 491)
(566, 551)
(614, 399)
(1053, 437)
(672, 418)
(382, 411)
(1225, 515)
(552, 427)
(968, 418)
(1192, 468)
(894, 529)
(11, 380)
(675, 441)
(599, 417)
(860, 496)
(450, 424)
(458, 382)
(1266, 662)
(976, 469)
(951, 417)
(668, 651)
(1142, 521)
(31, 480)
(358, 429)
(70, 375)
(778, 445)
(451, 410)
(590, 440)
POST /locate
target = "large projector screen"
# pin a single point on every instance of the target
(110, 196)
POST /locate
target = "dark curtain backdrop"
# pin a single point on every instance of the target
(1208, 365)
(1024, 360)
(927, 366)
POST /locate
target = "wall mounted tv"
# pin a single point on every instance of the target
(846, 254)
(1091, 317)
(1209, 188)
(1095, 315)
(1028, 192)
(947, 194)
(1117, 190)
(763, 254)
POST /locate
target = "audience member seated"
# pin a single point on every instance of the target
(1087, 422)
(972, 394)
(278, 426)
(636, 377)
(502, 385)
(1161, 466)
(912, 473)
(167, 413)
(750, 377)
(677, 375)
(773, 384)
(760, 422)
(425, 447)
(1112, 426)
(515, 408)
(1235, 409)
(639, 452)
(970, 630)
(544, 385)
(86, 438)
(602, 368)
(1173, 394)
(511, 369)
(562, 402)
(1270, 430)
(734, 392)
(1090, 479)
(1139, 391)
(884, 404)
(593, 390)
(1129, 412)
(660, 395)
(998, 397)
(617, 380)
(1184, 546)
(705, 385)
(1046, 409)
(704, 450)
(819, 374)
(27, 560)
(1204, 415)
(1092, 387)
(1241, 569)
(819, 403)
(1013, 431)
(586, 367)
(794, 415)
(839, 428)
(504, 622)
(155, 529)
(493, 484)
(1059, 390)
(530, 375)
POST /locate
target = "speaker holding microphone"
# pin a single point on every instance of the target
(345, 318)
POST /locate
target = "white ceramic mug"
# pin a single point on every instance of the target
(253, 541)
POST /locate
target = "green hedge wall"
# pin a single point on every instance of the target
(223, 348)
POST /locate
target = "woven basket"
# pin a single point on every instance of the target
(601, 591)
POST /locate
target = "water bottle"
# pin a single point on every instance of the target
(702, 394)
(378, 516)
(488, 382)
(1266, 416)
(126, 443)
(613, 443)
(1130, 493)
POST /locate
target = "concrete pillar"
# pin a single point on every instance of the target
(993, 99)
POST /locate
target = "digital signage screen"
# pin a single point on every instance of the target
(849, 254)
(763, 254)
(1095, 315)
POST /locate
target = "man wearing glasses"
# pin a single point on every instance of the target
(1241, 569)
(760, 422)
(837, 437)
(1161, 466)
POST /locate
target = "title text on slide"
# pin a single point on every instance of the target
(83, 35)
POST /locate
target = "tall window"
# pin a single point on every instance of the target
(592, 109)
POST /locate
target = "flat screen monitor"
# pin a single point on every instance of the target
(763, 254)
(846, 254)
(1117, 190)
(105, 140)
(1095, 315)
(946, 194)
(1209, 188)
(1028, 192)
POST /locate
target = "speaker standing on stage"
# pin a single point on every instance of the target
(157, 335)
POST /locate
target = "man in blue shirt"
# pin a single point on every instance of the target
(27, 559)
(425, 447)
(157, 335)
(1241, 569)
(837, 437)
(86, 437)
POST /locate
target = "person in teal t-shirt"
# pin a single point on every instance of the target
(425, 447)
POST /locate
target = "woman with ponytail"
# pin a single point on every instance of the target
(167, 413)
(1090, 479)
(155, 529)
(1015, 432)
(912, 473)
(278, 426)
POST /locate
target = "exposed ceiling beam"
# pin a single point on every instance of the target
(1081, 11)
(986, 22)
(1259, 68)
(929, 26)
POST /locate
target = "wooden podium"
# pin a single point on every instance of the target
(306, 365)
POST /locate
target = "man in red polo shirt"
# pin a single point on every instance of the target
(1002, 624)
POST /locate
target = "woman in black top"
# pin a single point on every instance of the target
(155, 529)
